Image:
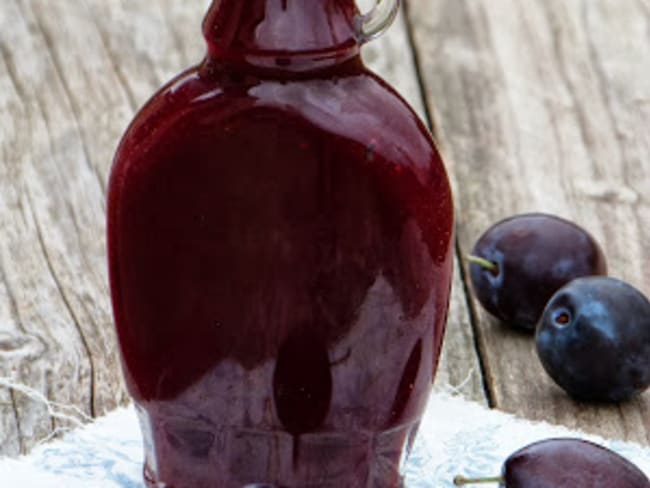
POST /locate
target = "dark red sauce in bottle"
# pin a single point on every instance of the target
(279, 234)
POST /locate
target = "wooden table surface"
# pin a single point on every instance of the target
(537, 105)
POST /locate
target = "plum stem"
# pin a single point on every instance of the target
(462, 481)
(484, 263)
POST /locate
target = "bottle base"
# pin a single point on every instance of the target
(254, 459)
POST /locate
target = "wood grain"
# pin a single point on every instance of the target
(544, 106)
(72, 75)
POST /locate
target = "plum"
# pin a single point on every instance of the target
(519, 262)
(594, 339)
(565, 463)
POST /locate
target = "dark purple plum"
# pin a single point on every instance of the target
(566, 463)
(594, 339)
(519, 262)
(570, 463)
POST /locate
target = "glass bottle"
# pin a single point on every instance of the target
(280, 239)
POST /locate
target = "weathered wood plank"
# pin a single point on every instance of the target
(544, 106)
(72, 74)
(51, 218)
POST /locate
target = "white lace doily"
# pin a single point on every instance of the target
(456, 437)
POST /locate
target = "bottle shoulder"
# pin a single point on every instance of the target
(355, 105)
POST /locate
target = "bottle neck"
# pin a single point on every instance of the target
(292, 35)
